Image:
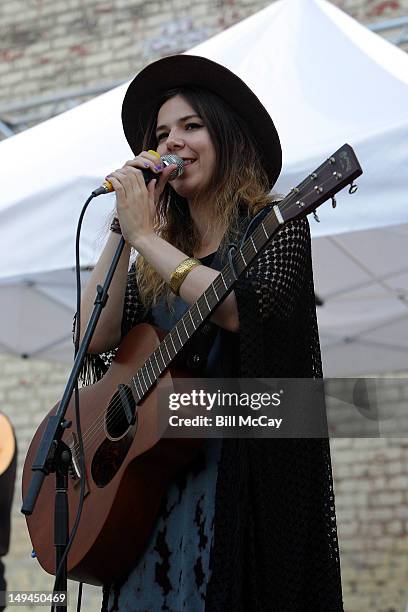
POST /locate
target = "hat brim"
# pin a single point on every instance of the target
(179, 70)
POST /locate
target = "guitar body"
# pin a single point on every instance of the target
(127, 468)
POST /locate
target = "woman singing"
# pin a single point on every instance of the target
(250, 524)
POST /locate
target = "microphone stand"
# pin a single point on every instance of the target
(53, 455)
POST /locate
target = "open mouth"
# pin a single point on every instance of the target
(188, 162)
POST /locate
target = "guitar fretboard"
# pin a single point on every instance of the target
(195, 316)
(332, 175)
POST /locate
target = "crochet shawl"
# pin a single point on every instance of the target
(275, 536)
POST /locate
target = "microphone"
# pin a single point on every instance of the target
(148, 175)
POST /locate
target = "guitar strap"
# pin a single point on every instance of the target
(198, 348)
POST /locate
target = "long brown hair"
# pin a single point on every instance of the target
(239, 183)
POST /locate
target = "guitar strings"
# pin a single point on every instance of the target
(117, 405)
(91, 435)
(115, 413)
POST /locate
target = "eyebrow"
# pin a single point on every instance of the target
(164, 127)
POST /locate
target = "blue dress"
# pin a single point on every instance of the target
(175, 568)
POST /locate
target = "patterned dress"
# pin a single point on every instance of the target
(175, 568)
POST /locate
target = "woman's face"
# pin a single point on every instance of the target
(182, 132)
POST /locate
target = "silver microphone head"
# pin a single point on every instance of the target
(173, 159)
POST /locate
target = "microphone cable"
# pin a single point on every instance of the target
(105, 188)
(77, 411)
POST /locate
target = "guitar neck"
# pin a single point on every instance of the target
(330, 177)
(195, 316)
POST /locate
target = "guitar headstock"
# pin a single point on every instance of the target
(339, 170)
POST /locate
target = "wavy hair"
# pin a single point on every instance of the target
(239, 185)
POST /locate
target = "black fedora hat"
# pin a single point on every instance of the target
(179, 70)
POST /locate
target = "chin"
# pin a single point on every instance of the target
(183, 190)
(187, 189)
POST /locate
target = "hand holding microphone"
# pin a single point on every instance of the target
(149, 168)
(137, 194)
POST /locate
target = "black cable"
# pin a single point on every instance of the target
(77, 412)
(79, 596)
(264, 211)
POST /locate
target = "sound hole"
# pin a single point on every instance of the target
(108, 459)
(121, 413)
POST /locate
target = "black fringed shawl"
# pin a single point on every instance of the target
(275, 538)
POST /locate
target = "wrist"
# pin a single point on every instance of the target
(141, 241)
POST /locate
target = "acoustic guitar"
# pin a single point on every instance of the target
(128, 462)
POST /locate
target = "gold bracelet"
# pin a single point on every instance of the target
(180, 273)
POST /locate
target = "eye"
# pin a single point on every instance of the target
(193, 125)
(161, 136)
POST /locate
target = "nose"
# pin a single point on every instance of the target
(174, 141)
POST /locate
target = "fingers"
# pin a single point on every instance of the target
(118, 187)
(151, 187)
(164, 176)
(132, 180)
(146, 160)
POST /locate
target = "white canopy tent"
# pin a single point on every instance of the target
(326, 80)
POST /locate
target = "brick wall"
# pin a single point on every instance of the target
(49, 47)
(371, 478)
(46, 47)
(377, 11)
(368, 11)
(28, 390)
(371, 486)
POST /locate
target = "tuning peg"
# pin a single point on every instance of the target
(334, 203)
(353, 188)
(316, 217)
